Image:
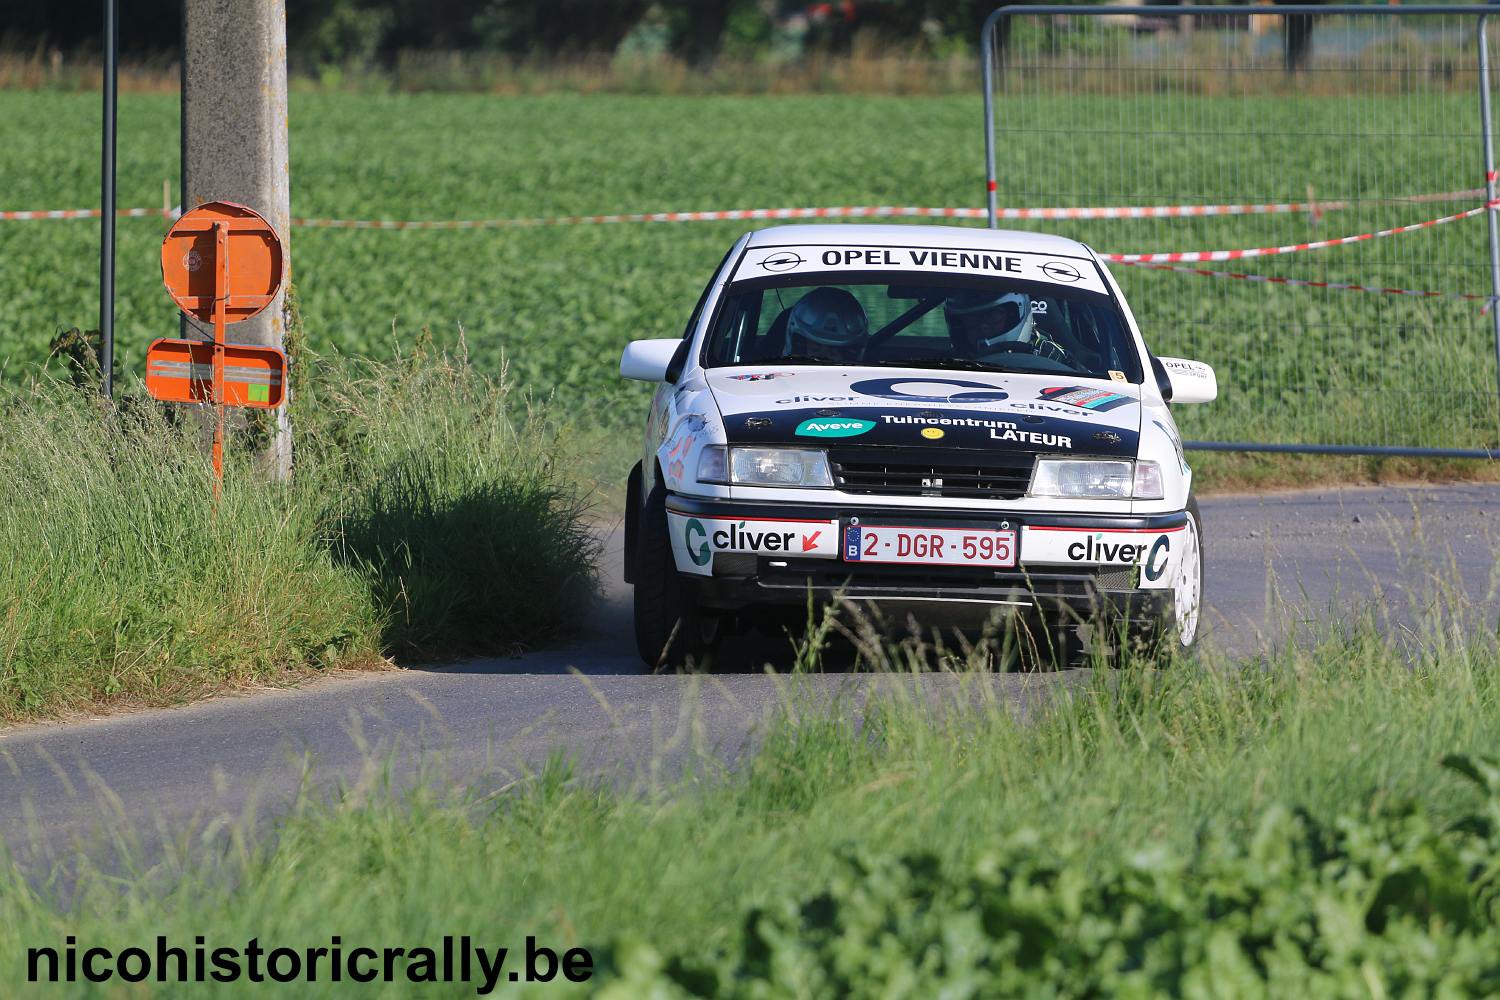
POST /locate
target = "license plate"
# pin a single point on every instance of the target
(930, 546)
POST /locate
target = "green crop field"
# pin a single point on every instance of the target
(558, 303)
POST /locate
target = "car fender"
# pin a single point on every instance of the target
(1161, 442)
(693, 423)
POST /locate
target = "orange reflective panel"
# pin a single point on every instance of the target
(182, 371)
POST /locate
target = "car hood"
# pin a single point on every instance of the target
(917, 407)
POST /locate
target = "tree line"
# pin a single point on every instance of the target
(697, 31)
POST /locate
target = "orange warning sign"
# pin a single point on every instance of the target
(247, 274)
(182, 371)
(222, 263)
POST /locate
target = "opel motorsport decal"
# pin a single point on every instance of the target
(695, 540)
(867, 425)
(1073, 272)
(760, 376)
(1100, 400)
(1156, 551)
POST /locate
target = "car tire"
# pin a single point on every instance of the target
(1179, 629)
(1068, 649)
(632, 522)
(1175, 634)
(670, 630)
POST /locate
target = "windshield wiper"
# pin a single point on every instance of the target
(801, 359)
(960, 364)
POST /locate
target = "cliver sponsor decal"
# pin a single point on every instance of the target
(1155, 566)
(1035, 407)
(1098, 400)
(1100, 549)
(833, 427)
(695, 540)
(1151, 549)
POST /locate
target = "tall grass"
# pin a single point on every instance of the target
(1286, 826)
(453, 505)
(423, 505)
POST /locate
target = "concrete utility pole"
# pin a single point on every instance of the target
(234, 143)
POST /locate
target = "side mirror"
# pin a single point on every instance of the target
(1192, 381)
(648, 360)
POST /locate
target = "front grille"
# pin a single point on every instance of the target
(924, 472)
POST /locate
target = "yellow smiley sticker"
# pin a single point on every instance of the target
(932, 433)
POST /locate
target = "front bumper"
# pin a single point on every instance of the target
(1046, 583)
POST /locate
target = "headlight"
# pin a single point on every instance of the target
(1114, 479)
(800, 467)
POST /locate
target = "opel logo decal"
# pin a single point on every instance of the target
(781, 260)
(1058, 271)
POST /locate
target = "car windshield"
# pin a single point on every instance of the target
(926, 321)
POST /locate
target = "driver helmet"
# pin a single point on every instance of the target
(984, 320)
(830, 317)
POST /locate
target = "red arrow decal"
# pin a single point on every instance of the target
(810, 542)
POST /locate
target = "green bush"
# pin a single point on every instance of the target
(424, 517)
(1393, 902)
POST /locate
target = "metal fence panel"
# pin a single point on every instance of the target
(1278, 130)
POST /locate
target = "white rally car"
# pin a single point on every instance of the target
(938, 421)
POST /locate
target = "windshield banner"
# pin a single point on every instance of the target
(1070, 272)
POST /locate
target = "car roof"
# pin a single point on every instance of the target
(864, 234)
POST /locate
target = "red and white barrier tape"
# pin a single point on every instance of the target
(1338, 286)
(725, 215)
(1151, 261)
(1216, 255)
(86, 213)
(835, 212)
(880, 212)
(1204, 211)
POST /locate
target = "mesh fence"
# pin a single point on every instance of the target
(1292, 130)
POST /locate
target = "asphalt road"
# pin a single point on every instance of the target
(157, 774)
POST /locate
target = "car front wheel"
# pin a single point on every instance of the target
(1187, 586)
(670, 630)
